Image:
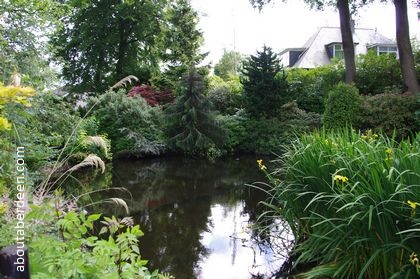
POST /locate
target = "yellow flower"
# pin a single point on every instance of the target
(414, 260)
(412, 204)
(340, 178)
(261, 165)
(369, 135)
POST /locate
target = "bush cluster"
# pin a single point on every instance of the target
(134, 127)
(390, 114)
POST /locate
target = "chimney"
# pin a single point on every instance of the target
(352, 24)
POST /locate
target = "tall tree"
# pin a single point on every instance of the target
(229, 65)
(182, 39)
(24, 28)
(404, 46)
(345, 27)
(191, 124)
(103, 41)
(265, 84)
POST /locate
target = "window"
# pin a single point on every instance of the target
(338, 51)
(335, 50)
(387, 50)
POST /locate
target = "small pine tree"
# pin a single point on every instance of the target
(191, 125)
(265, 84)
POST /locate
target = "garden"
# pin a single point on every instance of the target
(341, 160)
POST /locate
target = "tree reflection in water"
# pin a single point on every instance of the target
(196, 215)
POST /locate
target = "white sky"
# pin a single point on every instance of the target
(281, 25)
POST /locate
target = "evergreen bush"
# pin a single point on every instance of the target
(190, 123)
(265, 84)
(342, 106)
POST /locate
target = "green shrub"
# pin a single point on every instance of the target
(378, 74)
(134, 127)
(226, 96)
(309, 87)
(352, 203)
(342, 106)
(235, 130)
(265, 84)
(190, 122)
(79, 254)
(389, 113)
(265, 136)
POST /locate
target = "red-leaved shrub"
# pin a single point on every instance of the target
(152, 97)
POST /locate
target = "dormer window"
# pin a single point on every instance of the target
(385, 49)
(335, 50)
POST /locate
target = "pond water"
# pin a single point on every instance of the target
(197, 216)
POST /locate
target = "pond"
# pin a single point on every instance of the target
(197, 216)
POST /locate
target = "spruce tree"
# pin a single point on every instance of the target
(265, 84)
(191, 124)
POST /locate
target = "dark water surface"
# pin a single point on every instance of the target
(197, 216)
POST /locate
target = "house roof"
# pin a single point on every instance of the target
(315, 54)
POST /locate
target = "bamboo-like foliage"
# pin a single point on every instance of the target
(351, 201)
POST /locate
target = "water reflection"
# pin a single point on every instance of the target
(196, 216)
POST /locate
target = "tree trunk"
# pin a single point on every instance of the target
(347, 40)
(404, 46)
(122, 49)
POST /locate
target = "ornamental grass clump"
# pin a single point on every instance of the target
(351, 200)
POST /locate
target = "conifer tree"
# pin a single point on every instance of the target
(191, 125)
(265, 84)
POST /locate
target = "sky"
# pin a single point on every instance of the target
(235, 25)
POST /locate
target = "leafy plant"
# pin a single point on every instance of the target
(378, 74)
(393, 114)
(226, 96)
(310, 87)
(133, 126)
(342, 106)
(81, 255)
(351, 201)
(152, 97)
(12, 94)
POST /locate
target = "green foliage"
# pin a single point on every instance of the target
(342, 106)
(310, 87)
(43, 128)
(351, 202)
(235, 130)
(80, 255)
(20, 50)
(229, 65)
(101, 42)
(182, 39)
(265, 84)
(191, 125)
(393, 114)
(378, 74)
(133, 126)
(226, 96)
(265, 136)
